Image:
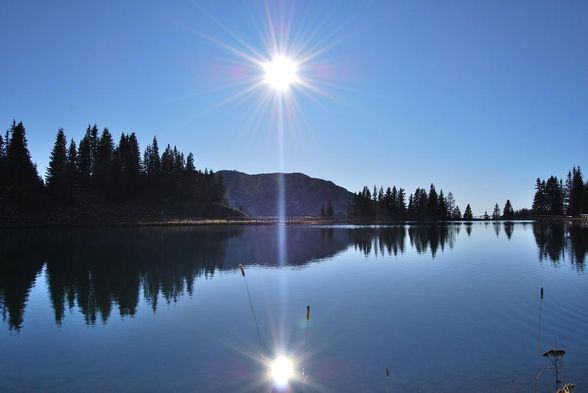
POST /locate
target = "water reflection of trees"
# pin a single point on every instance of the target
(378, 239)
(95, 269)
(391, 240)
(101, 271)
(104, 271)
(560, 241)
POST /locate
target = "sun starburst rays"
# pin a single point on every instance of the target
(285, 70)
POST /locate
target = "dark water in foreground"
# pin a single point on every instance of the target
(447, 308)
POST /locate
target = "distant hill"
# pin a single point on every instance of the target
(257, 194)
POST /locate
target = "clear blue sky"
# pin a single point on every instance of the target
(480, 97)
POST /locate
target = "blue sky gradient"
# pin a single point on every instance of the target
(480, 97)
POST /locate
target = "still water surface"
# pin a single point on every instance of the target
(446, 308)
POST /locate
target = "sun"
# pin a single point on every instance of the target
(282, 370)
(280, 73)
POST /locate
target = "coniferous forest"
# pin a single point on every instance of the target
(100, 178)
(554, 197)
(393, 204)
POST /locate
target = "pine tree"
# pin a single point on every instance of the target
(167, 161)
(87, 151)
(132, 158)
(467, 214)
(71, 165)
(553, 196)
(401, 203)
(94, 145)
(450, 201)
(456, 215)
(389, 203)
(508, 211)
(56, 177)
(585, 200)
(496, 212)
(422, 202)
(442, 211)
(21, 173)
(432, 210)
(323, 212)
(411, 211)
(2, 166)
(152, 160)
(190, 168)
(539, 198)
(567, 190)
(104, 162)
(576, 192)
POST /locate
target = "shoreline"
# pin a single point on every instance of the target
(6, 223)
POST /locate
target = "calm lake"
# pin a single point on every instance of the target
(446, 308)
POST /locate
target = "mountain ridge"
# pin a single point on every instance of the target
(257, 194)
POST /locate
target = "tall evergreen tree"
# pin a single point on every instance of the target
(432, 210)
(467, 214)
(585, 200)
(190, 168)
(401, 203)
(56, 177)
(576, 192)
(442, 211)
(21, 173)
(450, 204)
(388, 210)
(508, 211)
(152, 159)
(567, 190)
(496, 212)
(539, 198)
(104, 162)
(456, 215)
(167, 161)
(87, 154)
(422, 201)
(2, 166)
(553, 196)
(71, 165)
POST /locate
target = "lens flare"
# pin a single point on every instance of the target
(282, 370)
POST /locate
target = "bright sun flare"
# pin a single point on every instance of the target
(280, 73)
(282, 370)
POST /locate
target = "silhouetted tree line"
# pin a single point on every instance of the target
(507, 212)
(393, 204)
(99, 171)
(553, 197)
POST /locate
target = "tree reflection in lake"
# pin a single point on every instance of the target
(101, 270)
(560, 241)
(96, 268)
